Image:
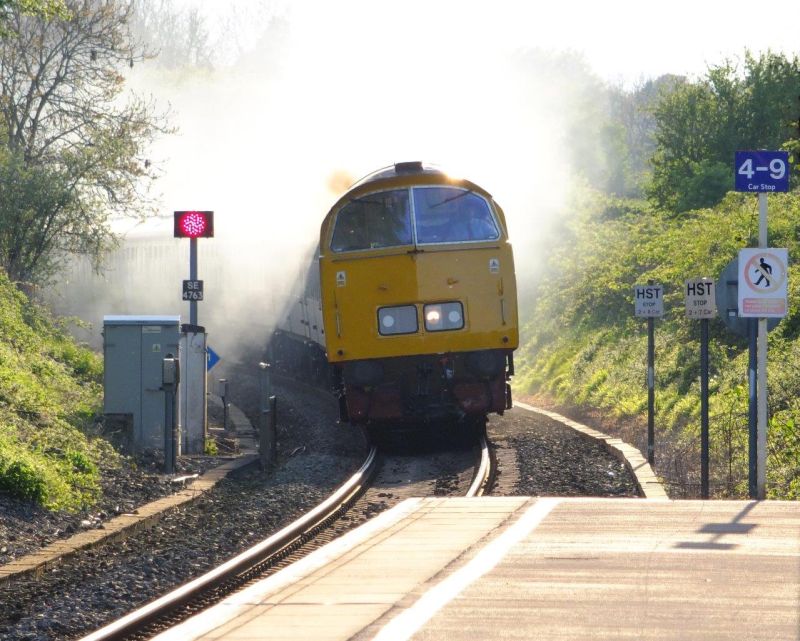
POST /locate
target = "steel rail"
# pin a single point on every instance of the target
(137, 619)
(484, 470)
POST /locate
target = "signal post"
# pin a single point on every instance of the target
(194, 351)
(193, 225)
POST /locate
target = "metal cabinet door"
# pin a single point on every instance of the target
(155, 347)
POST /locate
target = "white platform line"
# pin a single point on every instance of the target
(207, 621)
(406, 624)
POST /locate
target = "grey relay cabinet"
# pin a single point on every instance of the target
(134, 348)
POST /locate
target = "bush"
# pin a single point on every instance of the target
(20, 479)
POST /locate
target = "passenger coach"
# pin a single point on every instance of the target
(418, 298)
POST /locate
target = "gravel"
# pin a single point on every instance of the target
(548, 458)
(24, 528)
(537, 456)
(100, 585)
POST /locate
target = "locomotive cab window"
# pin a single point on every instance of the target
(451, 215)
(373, 221)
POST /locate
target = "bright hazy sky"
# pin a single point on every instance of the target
(621, 39)
(343, 87)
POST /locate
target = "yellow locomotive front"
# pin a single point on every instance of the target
(418, 297)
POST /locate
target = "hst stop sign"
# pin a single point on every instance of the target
(648, 301)
(698, 294)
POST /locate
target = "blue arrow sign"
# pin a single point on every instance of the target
(213, 358)
(762, 171)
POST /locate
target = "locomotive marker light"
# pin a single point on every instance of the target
(701, 303)
(761, 172)
(444, 316)
(649, 303)
(397, 320)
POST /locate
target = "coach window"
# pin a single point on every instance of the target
(451, 215)
(373, 221)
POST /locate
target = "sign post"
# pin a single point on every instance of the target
(727, 297)
(701, 303)
(649, 303)
(762, 294)
(760, 288)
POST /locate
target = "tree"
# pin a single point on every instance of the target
(74, 151)
(179, 35)
(701, 124)
(42, 8)
(628, 138)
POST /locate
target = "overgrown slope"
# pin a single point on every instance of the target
(582, 344)
(49, 391)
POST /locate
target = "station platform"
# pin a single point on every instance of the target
(534, 568)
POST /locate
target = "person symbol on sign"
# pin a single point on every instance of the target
(764, 270)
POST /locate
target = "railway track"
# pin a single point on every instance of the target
(535, 456)
(382, 480)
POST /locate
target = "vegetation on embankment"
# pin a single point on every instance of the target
(50, 390)
(582, 345)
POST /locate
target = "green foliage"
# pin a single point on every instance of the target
(49, 392)
(36, 217)
(581, 343)
(20, 475)
(700, 124)
(73, 152)
(45, 9)
(784, 455)
(210, 448)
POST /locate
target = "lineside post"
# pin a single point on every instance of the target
(651, 390)
(704, 408)
(762, 366)
(170, 377)
(193, 277)
(267, 427)
(648, 302)
(752, 407)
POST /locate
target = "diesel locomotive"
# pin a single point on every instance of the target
(411, 299)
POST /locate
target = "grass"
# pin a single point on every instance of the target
(50, 391)
(582, 346)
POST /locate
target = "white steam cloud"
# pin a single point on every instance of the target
(270, 141)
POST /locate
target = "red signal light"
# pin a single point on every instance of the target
(194, 224)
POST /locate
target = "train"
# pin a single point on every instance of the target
(408, 307)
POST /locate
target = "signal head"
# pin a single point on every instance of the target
(194, 224)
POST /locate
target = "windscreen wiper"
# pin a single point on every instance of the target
(452, 198)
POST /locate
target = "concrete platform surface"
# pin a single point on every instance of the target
(528, 568)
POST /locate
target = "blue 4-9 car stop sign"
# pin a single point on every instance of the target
(762, 171)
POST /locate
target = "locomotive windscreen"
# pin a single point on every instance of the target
(441, 214)
(376, 220)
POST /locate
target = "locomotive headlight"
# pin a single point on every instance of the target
(443, 316)
(397, 320)
(432, 316)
